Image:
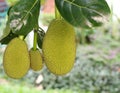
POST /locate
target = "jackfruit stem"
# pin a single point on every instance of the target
(57, 14)
(21, 37)
(35, 40)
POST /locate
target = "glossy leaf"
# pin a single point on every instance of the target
(83, 13)
(23, 16)
(8, 38)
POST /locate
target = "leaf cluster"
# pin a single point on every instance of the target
(23, 16)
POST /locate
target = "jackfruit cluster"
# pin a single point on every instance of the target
(17, 60)
(59, 50)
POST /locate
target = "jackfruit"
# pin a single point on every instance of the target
(35, 60)
(59, 47)
(16, 59)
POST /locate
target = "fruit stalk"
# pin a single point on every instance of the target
(21, 37)
(35, 40)
(57, 14)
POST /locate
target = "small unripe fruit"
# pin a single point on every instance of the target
(35, 60)
(16, 59)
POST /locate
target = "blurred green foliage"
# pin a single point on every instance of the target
(84, 36)
(46, 18)
(11, 2)
(2, 25)
(25, 89)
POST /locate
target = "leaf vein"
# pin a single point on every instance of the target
(29, 12)
(83, 7)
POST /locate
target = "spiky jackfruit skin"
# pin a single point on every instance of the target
(59, 47)
(35, 60)
(16, 59)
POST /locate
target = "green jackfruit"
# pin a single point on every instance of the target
(16, 59)
(59, 47)
(36, 60)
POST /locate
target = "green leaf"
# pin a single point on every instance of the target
(8, 38)
(6, 31)
(23, 16)
(83, 13)
(7, 35)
